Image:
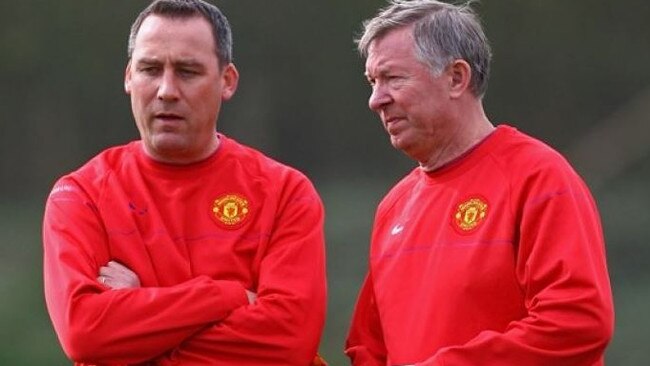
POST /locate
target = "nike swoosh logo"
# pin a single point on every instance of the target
(396, 229)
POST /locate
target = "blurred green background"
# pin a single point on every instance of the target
(573, 73)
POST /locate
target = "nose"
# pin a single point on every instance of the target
(378, 98)
(168, 88)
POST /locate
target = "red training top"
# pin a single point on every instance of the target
(196, 236)
(495, 259)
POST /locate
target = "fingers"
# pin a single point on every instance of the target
(116, 276)
(102, 280)
(118, 266)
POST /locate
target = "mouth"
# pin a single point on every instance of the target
(164, 116)
(167, 122)
(391, 120)
(390, 124)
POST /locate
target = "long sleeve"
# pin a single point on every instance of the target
(284, 325)
(365, 344)
(97, 325)
(496, 259)
(562, 272)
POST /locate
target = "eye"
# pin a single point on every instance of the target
(188, 73)
(395, 81)
(149, 70)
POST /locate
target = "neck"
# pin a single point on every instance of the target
(179, 157)
(461, 140)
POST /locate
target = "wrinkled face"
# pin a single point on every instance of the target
(177, 87)
(411, 102)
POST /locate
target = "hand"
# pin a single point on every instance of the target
(251, 296)
(116, 276)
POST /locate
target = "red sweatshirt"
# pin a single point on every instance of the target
(495, 259)
(197, 236)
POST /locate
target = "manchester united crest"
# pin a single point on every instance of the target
(470, 214)
(230, 210)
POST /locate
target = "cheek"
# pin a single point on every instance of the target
(419, 103)
(138, 106)
(143, 89)
(210, 100)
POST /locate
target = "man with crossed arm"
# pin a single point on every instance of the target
(184, 247)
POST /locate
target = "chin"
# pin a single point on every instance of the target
(168, 145)
(407, 149)
(398, 143)
(169, 140)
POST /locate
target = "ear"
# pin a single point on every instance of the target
(460, 76)
(230, 79)
(127, 78)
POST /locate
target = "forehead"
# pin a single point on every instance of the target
(187, 36)
(395, 48)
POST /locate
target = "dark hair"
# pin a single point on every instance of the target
(187, 9)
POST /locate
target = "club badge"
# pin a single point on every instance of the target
(230, 210)
(469, 214)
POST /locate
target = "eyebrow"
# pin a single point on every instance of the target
(180, 63)
(380, 71)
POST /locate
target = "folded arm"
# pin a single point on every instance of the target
(284, 325)
(98, 325)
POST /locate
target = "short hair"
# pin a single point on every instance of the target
(442, 32)
(183, 9)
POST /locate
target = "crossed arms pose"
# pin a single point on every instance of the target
(184, 247)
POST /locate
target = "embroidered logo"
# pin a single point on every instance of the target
(230, 210)
(470, 214)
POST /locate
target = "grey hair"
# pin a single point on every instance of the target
(442, 32)
(183, 9)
